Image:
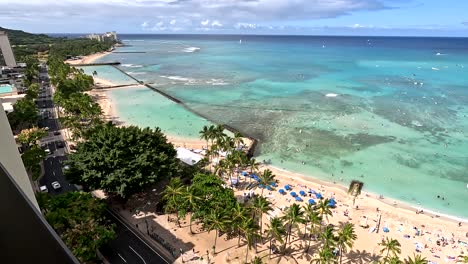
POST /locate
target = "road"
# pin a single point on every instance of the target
(53, 163)
(129, 248)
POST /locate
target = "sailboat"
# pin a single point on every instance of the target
(240, 41)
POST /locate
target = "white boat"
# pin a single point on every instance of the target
(240, 41)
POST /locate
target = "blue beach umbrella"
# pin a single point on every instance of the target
(318, 195)
(274, 184)
(311, 201)
(332, 202)
(299, 199)
(261, 186)
(302, 193)
(281, 191)
(244, 173)
(293, 194)
(269, 188)
(287, 187)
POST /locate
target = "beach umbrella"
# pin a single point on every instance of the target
(293, 194)
(287, 187)
(281, 191)
(311, 201)
(332, 202)
(386, 230)
(302, 193)
(269, 188)
(274, 184)
(299, 199)
(318, 195)
(261, 186)
(311, 191)
(244, 173)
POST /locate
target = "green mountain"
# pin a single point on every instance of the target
(19, 37)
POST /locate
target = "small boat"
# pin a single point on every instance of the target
(240, 41)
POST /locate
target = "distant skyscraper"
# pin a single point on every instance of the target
(6, 54)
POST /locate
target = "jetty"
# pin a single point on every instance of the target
(251, 149)
(129, 52)
(96, 64)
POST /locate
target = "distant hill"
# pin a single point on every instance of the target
(19, 37)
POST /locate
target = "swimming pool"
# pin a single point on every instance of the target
(6, 88)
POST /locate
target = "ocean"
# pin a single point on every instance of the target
(391, 112)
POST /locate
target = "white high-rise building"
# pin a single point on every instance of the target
(6, 54)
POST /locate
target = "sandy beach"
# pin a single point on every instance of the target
(87, 59)
(422, 230)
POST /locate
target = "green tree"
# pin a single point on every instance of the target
(80, 220)
(266, 178)
(260, 205)
(31, 72)
(391, 246)
(312, 217)
(276, 231)
(345, 239)
(190, 200)
(239, 215)
(172, 195)
(462, 259)
(250, 230)
(31, 136)
(417, 259)
(31, 159)
(32, 91)
(293, 216)
(323, 208)
(24, 114)
(325, 256)
(256, 260)
(217, 220)
(354, 189)
(122, 160)
(328, 237)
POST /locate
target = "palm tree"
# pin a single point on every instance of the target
(250, 229)
(391, 246)
(315, 220)
(463, 259)
(328, 237)
(293, 216)
(256, 260)
(267, 178)
(276, 231)
(237, 139)
(325, 256)
(191, 200)
(172, 195)
(324, 209)
(253, 164)
(239, 215)
(393, 260)
(418, 259)
(260, 206)
(345, 238)
(216, 220)
(205, 134)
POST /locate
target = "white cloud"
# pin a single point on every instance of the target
(216, 23)
(357, 26)
(144, 24)
(205, 22)
(246, 26)
(173, 21)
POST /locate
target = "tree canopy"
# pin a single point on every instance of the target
(122, 160)
(80, 220)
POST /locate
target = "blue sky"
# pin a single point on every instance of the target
(316, 17)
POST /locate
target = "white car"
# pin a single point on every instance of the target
(43, 188)
(66, 167)
(56, 185)
(47, 151)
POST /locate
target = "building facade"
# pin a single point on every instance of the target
(108, 37)
(11, 159)
(7, 58)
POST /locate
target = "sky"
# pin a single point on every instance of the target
(282, 17)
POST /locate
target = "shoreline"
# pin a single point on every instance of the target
(88, 59)
(110, 113)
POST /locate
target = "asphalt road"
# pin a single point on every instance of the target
(53, 172)
(129, 248)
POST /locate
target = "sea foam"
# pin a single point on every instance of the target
(191, 49)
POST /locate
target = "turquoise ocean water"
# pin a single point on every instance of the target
(392, 112)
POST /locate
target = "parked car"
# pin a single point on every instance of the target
(56, 185)
(48, 151)
(59, 144)
(43, 188)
